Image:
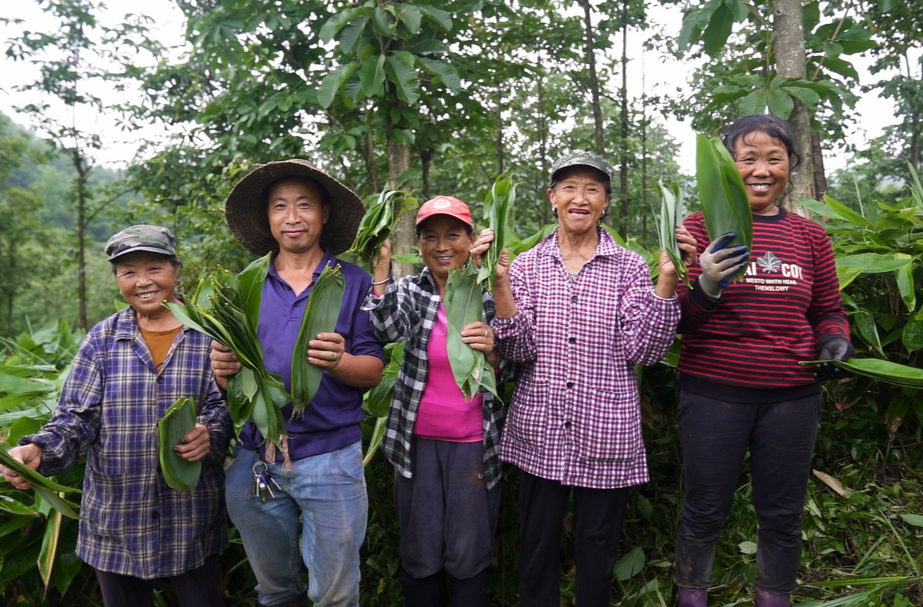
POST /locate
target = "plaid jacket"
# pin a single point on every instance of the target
(408, 311)
(134, 523)
(575, 416)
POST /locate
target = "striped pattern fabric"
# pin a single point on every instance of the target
(407, 310)
(110, 404)
(575, 414)
(787, 302)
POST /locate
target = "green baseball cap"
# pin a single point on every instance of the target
(583, 158)
(154, 239)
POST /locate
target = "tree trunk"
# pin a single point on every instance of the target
(644, 203)
(79, 165)
(368, 155)
(403, 235)
(543, 150)
(594, 80)
(623, 153)
(499, 115)
(790, 63)
(426, 160)
(820, 177)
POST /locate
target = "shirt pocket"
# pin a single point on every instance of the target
(528, 418)
(607, 426)
(115, 504)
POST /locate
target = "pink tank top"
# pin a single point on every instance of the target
(444, 414)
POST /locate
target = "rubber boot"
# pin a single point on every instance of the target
(470, 592)
(424, 592)
(768, 598)
(691, 597)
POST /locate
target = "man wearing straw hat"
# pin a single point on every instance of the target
(305, 217)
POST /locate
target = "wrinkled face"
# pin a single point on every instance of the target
(444, 243)
(763, 164)
(296, 214)
(579, 199)
(146, 280)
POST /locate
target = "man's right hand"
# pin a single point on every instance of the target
(30, 455)
(719, 264)
(224, 364)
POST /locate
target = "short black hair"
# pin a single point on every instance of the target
(771, 125)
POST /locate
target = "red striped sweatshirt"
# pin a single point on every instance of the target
(785, 306)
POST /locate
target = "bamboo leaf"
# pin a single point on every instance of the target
(177, 421)
(497, 208)
(250, 286)
(320, 316)
(377, 434)
(49, 548)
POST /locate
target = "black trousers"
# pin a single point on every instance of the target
(598, 516)
(195, 588)
(715, 437)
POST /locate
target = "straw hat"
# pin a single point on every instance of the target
(245, 208)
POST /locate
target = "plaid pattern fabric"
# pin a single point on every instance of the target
(575, 415)
(134, 523)
(407, 310)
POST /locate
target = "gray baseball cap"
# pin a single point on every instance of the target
(154, 239)
(582, 158)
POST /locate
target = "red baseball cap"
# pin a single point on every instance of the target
(444, 205)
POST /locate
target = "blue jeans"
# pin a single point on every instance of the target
(716, 436)
(328, 490)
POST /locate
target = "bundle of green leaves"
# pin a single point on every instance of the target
(379, 221)
(463, 305)
(44, 487)
(722, 193)
(178, 420)
(497, 209)
(671, 216)
(231, 318)
(878, 369)
(320, 316)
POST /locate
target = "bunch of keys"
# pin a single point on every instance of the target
(263, 482)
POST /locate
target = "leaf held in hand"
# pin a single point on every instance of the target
(177, 421)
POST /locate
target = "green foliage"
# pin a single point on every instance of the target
(178, 420)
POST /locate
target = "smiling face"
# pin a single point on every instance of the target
(763, 164)
(297, 214)
(146, 280)
(444, 243)
(579, 198)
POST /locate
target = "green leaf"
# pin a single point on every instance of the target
(404, 79)
(868, 330)
(8, 504)
(410, 16)
(841, 67)
(49, 548)
(333, 82)
(250, 286)
(913, 519)
(912, 335)
(441, 17)
(809, 97)
(442, 71)
(780, 103)
(20, 386)
(630, 565)
(845, 212)
(352, 33)
(377, 434)
(382, 22)
(832, 50)
(904, 277)
(754, 103)
(340, 20)
(321, 313)
(719, 29)
(372, 75)
(178, 420)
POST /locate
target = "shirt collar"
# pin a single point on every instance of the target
(324, 262)
(605, 248)
(126, 325)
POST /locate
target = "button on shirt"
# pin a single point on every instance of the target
(331, 420)
(575, 414)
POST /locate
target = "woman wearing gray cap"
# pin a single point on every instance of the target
(578, 312)
(130, 368)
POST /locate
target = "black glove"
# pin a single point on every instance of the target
(832, 348)
(720, 264)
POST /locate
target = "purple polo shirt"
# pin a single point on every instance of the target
(331, 420)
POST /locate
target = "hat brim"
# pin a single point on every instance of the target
(164, 252)
(245, 208)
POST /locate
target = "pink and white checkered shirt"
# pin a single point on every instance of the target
(575, 415)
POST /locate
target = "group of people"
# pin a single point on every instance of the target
(568, 320)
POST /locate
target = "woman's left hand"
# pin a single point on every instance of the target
(686, 243)
(481, 245)
(195, 445)
(480, 336)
